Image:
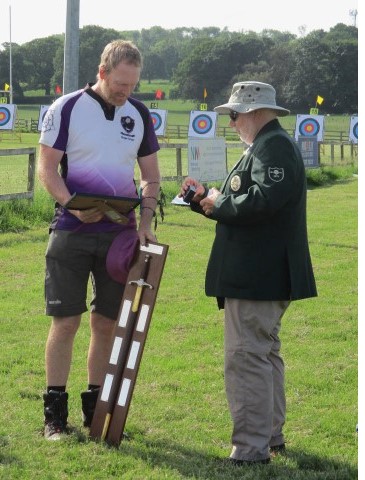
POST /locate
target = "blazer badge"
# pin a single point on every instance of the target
(276, 174)
(235, 183)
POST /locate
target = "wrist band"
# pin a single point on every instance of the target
(152, 210)
(154, 198)
(150, 183)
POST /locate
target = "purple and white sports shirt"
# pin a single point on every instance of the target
(101, 145)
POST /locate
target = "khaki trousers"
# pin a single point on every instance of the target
(254, 376)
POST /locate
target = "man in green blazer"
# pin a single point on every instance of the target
(259, 263)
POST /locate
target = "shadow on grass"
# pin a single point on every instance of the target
(169, 456)
(7, 459)
(196, 464)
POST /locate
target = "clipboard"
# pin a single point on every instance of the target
(115, 208)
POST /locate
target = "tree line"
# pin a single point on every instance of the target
(208, 59)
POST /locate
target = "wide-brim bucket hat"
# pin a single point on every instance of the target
(249, 96)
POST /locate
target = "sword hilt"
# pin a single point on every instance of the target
(141, 283)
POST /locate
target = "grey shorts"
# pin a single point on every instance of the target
(71, 259)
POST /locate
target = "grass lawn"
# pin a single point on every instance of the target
(178, 423)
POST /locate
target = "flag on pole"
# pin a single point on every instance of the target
(319, 100)
(159, 95)
(6, 87)
(205, 93)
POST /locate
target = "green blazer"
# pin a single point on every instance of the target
(260, 251)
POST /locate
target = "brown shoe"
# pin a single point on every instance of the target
(240, 463)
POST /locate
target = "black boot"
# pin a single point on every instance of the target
(55, 414)
(89, 399)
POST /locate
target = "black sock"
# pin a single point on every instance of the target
(57, 388)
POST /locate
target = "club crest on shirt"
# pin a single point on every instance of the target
(127, 124)
(276, 174)
(235, 183)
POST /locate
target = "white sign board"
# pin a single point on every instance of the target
(207, 159)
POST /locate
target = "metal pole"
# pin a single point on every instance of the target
(71, 49)
(10, 61)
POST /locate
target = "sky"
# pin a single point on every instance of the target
(41, 18)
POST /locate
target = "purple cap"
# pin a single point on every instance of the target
(121, 254)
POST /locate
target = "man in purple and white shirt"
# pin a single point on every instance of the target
(90, 142)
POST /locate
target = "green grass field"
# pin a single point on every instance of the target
(178, 423)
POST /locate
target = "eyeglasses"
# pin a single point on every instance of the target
(233, 115)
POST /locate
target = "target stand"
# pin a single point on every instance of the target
(130, 335)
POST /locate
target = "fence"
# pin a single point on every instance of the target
(181, 162)
(333, 147)
(17, 166)
(17, 173)
(181, 131)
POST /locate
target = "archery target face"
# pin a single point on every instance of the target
(202, 124)
(156, 120)
(7, 117)
(159, 121)
(353, 135)
(309, 126)
(42, 113)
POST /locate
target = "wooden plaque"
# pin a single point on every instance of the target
(115, 208)
(128, 344)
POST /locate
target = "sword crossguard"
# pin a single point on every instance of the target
(140, 283)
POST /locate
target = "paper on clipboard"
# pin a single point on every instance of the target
(179, 201)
